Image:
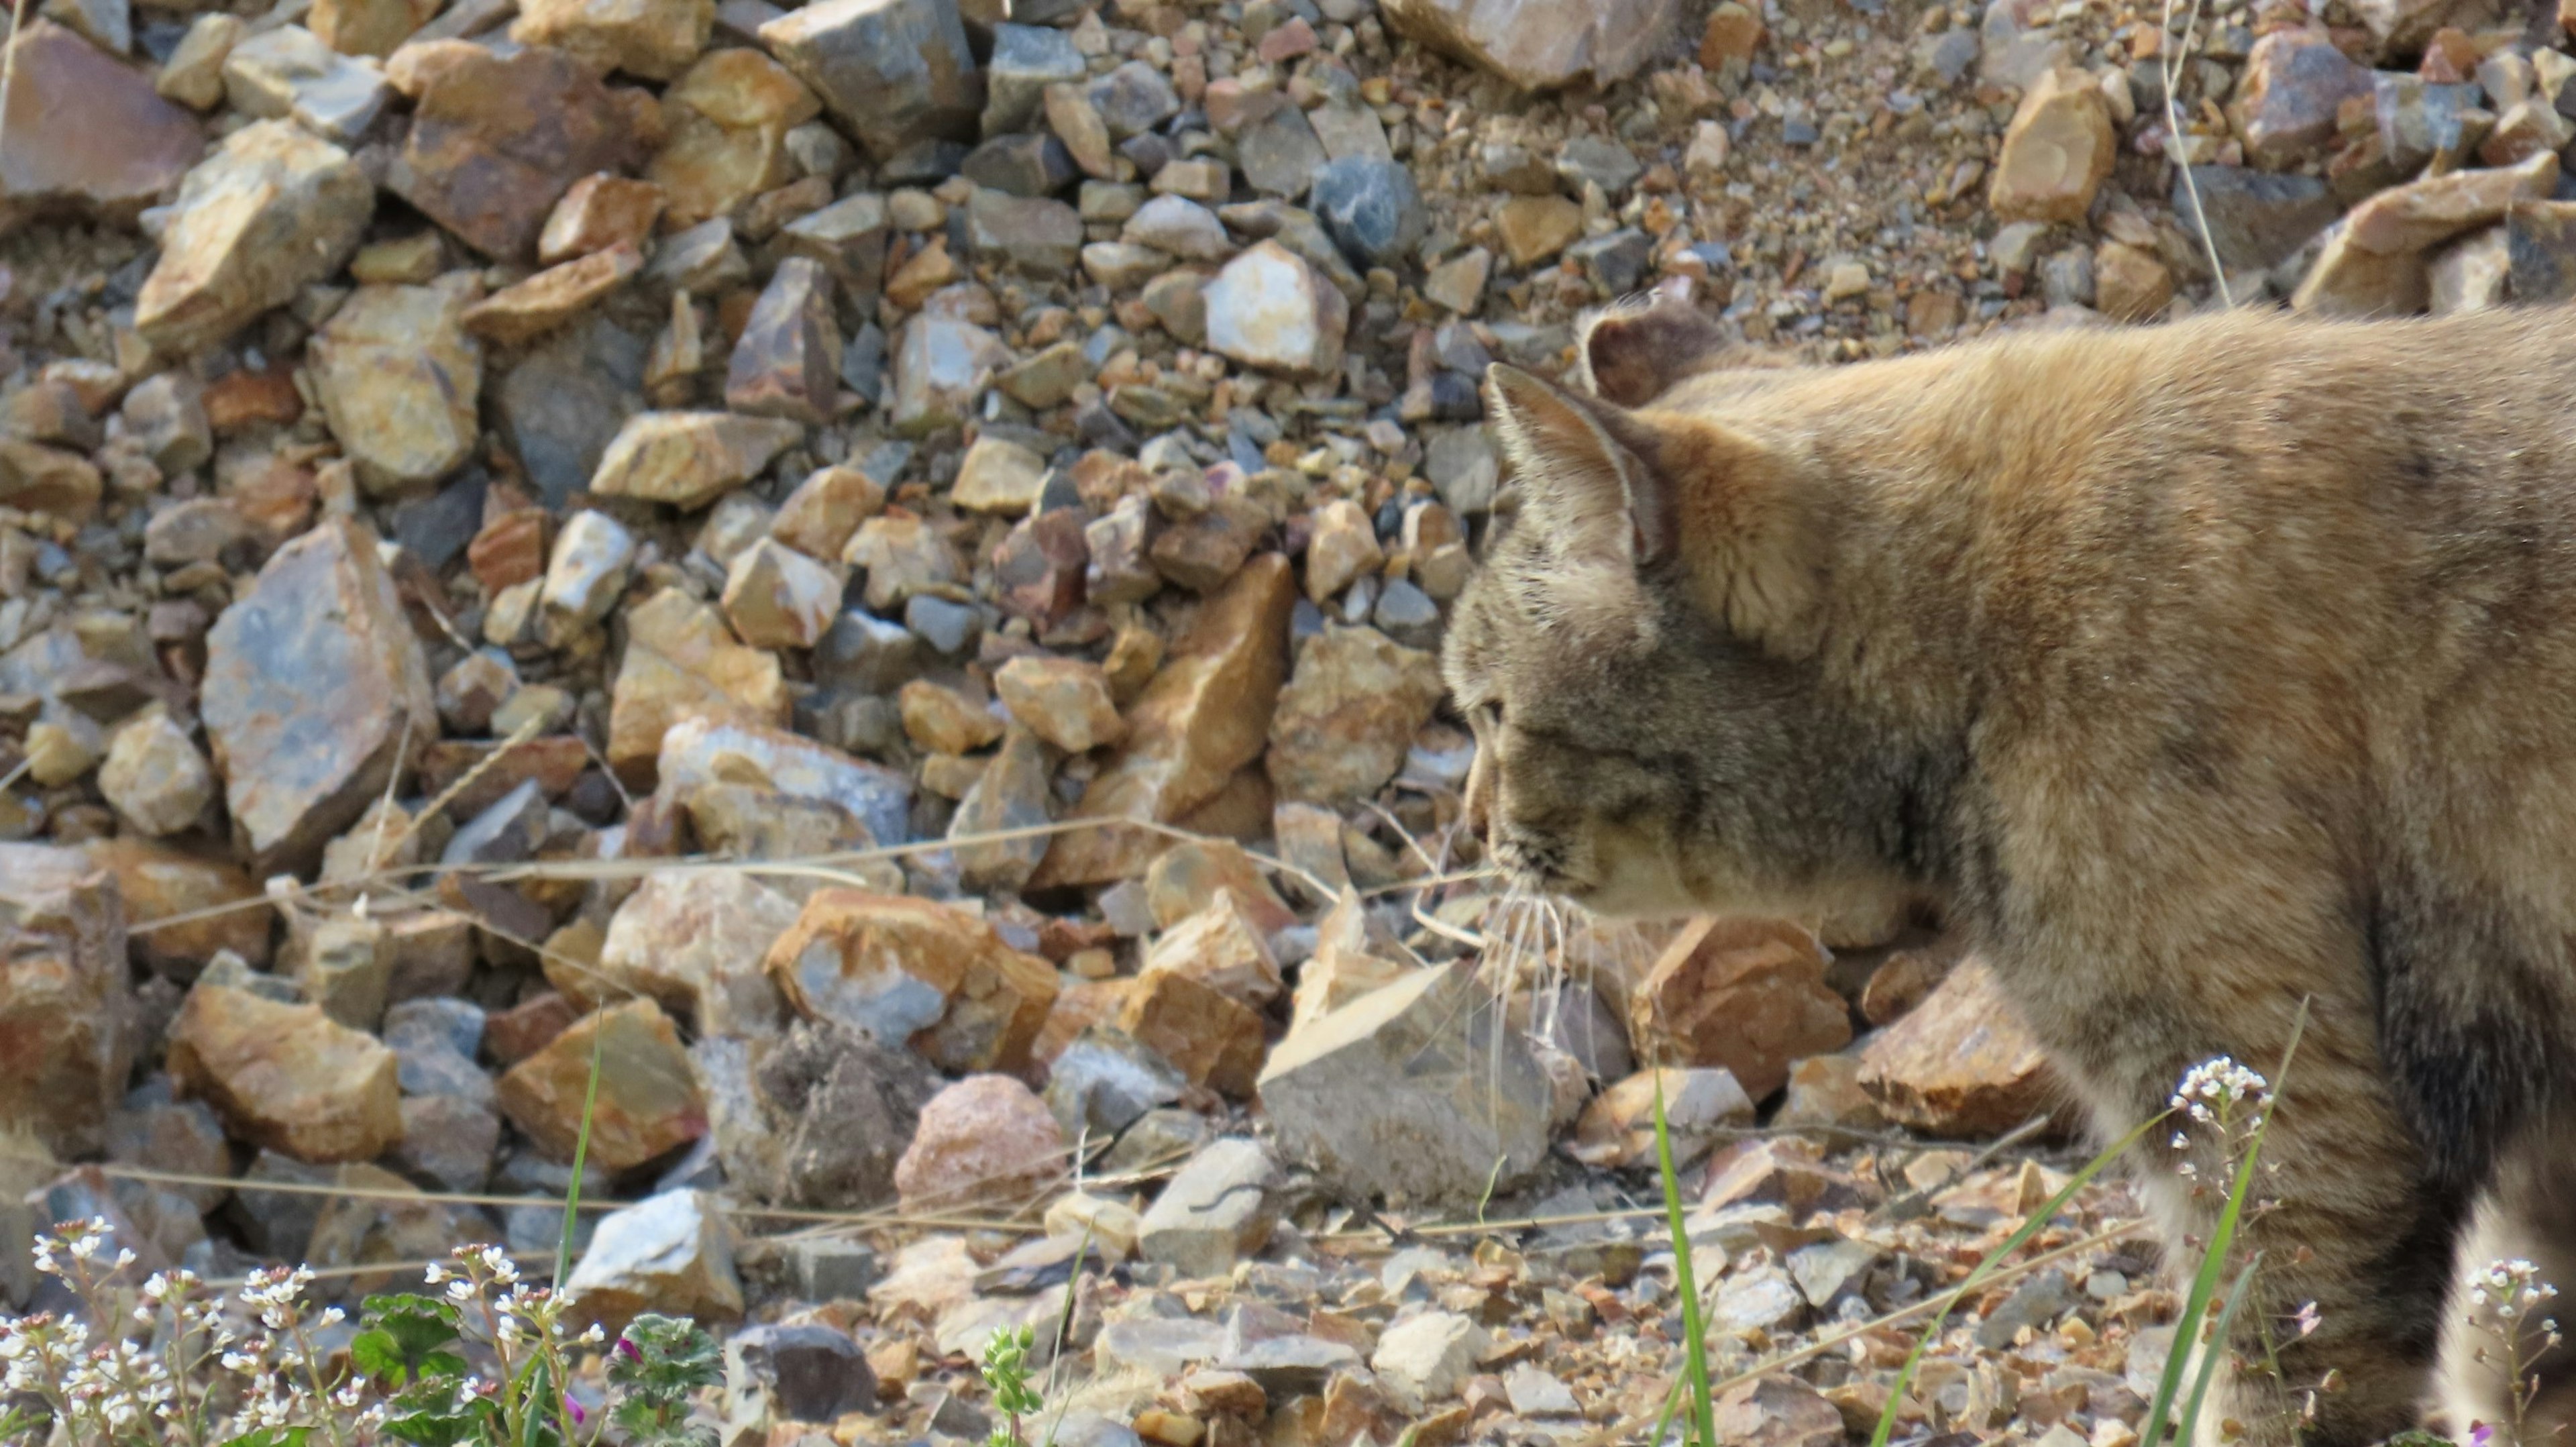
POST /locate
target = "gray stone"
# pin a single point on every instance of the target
(289, 73)
(1615, 262)
(1134, 99)
(2039, 1300)
(670, 1253)
(1028, 164)
(895, 72)
(1104, 1081)
(1036, 235)
(1423, 1359)
(2256, 219)
(1180, 226)
(1215, 1208)
(448, 1142)
(1371, 209)
(1418, 1090)
(800, 1373)
(868, 653)
(1605, 164)
(456, 1024)
(1026, 60)
(830, 1268)
(1280, 153)
(558, 408)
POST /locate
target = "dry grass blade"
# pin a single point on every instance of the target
(2169, 69)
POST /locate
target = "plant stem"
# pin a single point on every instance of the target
(1694, 1330)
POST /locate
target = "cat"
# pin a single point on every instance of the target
(2218, 678)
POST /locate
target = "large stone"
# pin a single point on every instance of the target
(1034, 234)
(1214, 1039)
(90, 136)
(728, 120)
(1423, 1359)
(315, 691)
(565, 400)
(2284, 107)
(694, 940)
(654, 39)
(776, 597)
(671, 1253)
(273, 209)
(985, 1141)
(1269, 309)
(1349, 715)
(2423, 214)
(840, 1110)
(908, 970)
(67, 1019)
(1419, 1090)
(2057, 152)
(699, 752)
(497, 139)
(647, 1097)
(1026, 60)
(1741, 993)
(682, 663)
(287, 1077)
(1204, 716)
(893, 71)
(1064, 701)
(1962, 1063)
(689, 459)
(1013, 792)
(1371, 209)
(1542, 44)
(788, 361)
(941, 367)
(399, 380)
(288, 74)
(225, 908)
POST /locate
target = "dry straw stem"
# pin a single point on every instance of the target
(2169, 68)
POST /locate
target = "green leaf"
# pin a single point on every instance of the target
(272, 1437)
(670, 1357)
(405, 1338)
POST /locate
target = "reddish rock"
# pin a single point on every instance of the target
(1216, 1040)
(520, 314)
(88, 135)
(496, 140)
(987, 1140)
(66, 1015)
(1205, 715)
(160, 882)
(287, 1077)
(909, 970)
(1962, 1064)
(1778, 1411)
(1219, 948)
(1745, 994)
(1195, 873)
(682, 662)
(315, 687)
(599, 212)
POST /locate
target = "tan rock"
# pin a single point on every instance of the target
(1064, 701)
(1202, 718)
(776, 597)
(2423, 214)
(516, 315)
(1349, 714)
(668, 1253)
(1962, 1064)
(599, 212)
(1196, 873)
(1534, 228)
(91, 138)
(1743, 993)
(154, 777)
(1342, 968)
(287, 1077)
(1221, 949)
(653, 39)
(2129, 283)
(1215, 1040)
(1825, 1090)
(1778, 1411)
(400, 381)
(273, 209)
(1014, 791)
(1344, 548)
(1617, 1130)
(158, 882)
(2056, 153)
(694, 940)
(368, 27)
(683, 663)
(315, 690)
(944, 721)
(910, 970)
(985, 1141)
(819, 517)
(67, 1019)
(647, 1099)
(728, 120)
(689, 459)
(49, 480)
(999, 476)
(1541, 44)
(194, 74)
(903, 555)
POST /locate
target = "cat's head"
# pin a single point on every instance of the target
(1637, 658)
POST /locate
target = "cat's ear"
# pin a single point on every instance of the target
(1597, 499)
(1633, 351)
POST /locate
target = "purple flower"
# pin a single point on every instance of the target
(627, 1349)
(2481, 1434)
(573, 1409)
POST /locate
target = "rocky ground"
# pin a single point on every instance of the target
(996, 478)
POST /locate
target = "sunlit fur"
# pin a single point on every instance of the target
(2197, 671)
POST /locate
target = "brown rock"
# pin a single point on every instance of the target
(599, 212)
(2056, 153)
(682, 662)
(654, 39)
(944, 721)
(1778, 1411)
(1747, 994)
(892, 71)
(818, 518)
(313, 682)
(1041, 567)
(1732, 34)
(519, 314)
(728, 120)
(159, 882)
(648, 1101)
(496, 140)
(1348, 715)
(1344, 547)
(399, 380)
(908, 970)
(1534, 228)
(788, 363)
(2129, 283)
(694, 939)
(1196, 873)
(89, 135)
(1962, 1064)
(903, 555)
(287, 1077)
(368, 27)
(1221, 949)
(2422, 214)
(688, 459)
(985, 1141)
(776, 597)
(274, 208)
(1064, 701)
(66, 1015)
(1214, 1039)
(1541, 44)
(1617, 1130)
(1902, 980)
(1825, 1090)
(2284, 107)
(1202, 718)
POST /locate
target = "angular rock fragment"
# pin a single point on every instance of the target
(788, 361)
(274, 208)
(647, 1100)
(910, 970)
(67, 1019)
(497, 139)
(287, 1077)
(90, 136)
(1540, 46)
(689, 459)
(1961, 1064)
(671, 1253)
(399, 380)
(893, 71)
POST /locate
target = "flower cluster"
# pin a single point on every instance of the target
(2509, 1302)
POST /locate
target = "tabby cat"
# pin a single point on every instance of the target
(2206, 674)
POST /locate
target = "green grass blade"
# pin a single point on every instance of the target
(1672, 1404)
(580, 1156)
(1694, 1330)
(2209, 1360)
(1985, 1268)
